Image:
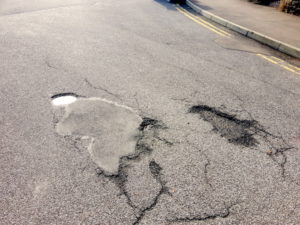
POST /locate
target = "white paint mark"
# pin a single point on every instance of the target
(63, 100)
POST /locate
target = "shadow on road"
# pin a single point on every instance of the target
(166, 4)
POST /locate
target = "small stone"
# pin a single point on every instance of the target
(269, 152)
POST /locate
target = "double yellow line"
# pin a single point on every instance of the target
(285, 65)
(202, 22)
(223, 33)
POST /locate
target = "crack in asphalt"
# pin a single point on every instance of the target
(155, 170)
(155, 126)
(244, 133)
(276, 152)
(205, 216)
(165, 141)
(239, 132)
(100, 88)
(207, 164)
(141, 150)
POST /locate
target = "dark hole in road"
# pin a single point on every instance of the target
(148, 122)
(154, 168)
(236, 131)
(64, 94)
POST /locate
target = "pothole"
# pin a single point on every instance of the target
(245, 133)
(63, 99)
(112, 128)
(236, 131)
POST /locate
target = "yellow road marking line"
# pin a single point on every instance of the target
(266, 58)
(290, 65)
(204, 25)
(288, 68)
(278, 62)
(223, 33)
(294, 67)
(205, 22)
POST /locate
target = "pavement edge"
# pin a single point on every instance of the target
(273, 43)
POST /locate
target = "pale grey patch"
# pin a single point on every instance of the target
(112, 128)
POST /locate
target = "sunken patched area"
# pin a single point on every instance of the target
(236, 131)
(112, 128)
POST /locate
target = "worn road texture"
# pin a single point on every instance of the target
(202, 131)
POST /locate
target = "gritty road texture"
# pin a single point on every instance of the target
(214, 129)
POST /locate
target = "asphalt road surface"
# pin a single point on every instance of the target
(175, 122)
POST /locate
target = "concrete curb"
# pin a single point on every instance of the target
(275, 44)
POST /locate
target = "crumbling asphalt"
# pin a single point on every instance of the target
(218, 136)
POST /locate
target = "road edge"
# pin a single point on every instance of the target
(264, 39)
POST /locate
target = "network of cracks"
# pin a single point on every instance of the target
(140, 132)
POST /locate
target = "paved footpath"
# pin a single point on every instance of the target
(266, 20)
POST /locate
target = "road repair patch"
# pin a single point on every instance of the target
(112, 128)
